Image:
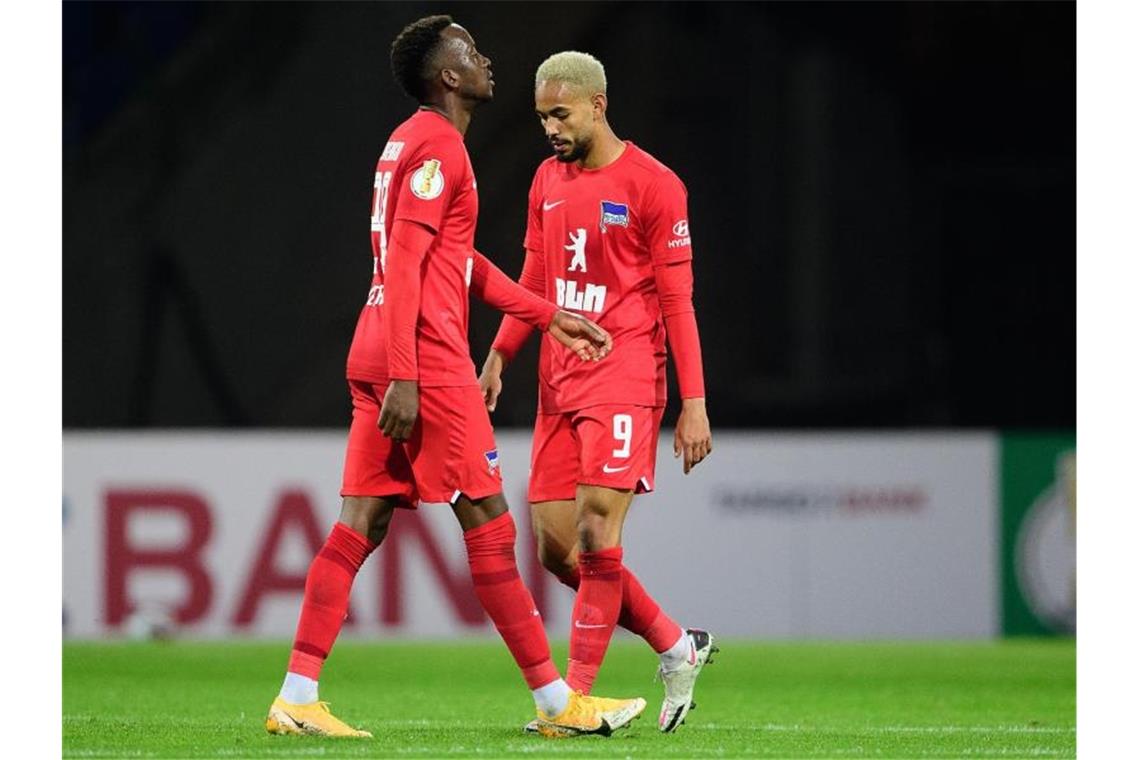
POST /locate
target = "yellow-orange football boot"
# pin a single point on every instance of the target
(313, 718)
(590, 715)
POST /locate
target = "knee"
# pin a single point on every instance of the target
(595, 532)
(493, 506)
(378, 526)
(555, 557)
(367, 516)
(474, 514)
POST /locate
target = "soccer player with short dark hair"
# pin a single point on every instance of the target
(419, 427)
(607, 236)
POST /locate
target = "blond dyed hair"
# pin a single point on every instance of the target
(581, 70)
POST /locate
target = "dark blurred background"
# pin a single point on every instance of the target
(882, 198)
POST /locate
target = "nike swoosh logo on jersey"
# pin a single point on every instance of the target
(580, 624)
(547, 206)
(607, 469)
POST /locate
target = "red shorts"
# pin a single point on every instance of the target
(614, 445)
(451, 450)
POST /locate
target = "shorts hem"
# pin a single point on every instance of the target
(642, 485)
(402, 500)
(533, 497)
(449, 497)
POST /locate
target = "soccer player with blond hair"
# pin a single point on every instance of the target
(419, 428)
(607, 237)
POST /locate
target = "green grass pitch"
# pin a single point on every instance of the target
(790, 700)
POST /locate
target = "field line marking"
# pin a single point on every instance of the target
(891, 729)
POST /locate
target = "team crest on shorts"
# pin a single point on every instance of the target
(614, 214)
(492, 460)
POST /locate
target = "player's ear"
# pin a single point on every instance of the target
(449, 78)
(599, 103)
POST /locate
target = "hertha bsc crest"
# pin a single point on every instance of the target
(614, 214)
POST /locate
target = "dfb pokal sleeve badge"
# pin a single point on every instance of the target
(427, 181)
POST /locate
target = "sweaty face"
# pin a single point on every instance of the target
(568, 119)
(472, 68)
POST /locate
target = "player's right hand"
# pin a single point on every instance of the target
(693, 437)
(491, 379)
(581, 336)
(400, 408)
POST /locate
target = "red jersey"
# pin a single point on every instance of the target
(424, 175)
(601, 232)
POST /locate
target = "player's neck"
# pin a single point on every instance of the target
(453, 110)
(607, 148)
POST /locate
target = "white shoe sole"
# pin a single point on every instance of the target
(669, 720)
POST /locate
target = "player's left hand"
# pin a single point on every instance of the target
(581, 336)
(400, 408)
(693, 436)
(491, 379)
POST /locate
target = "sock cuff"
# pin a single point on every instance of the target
(305, 649)
(604, 564)
(663, 633)
(306, 664)
(496, 531)
(349, 544)
(540, 674)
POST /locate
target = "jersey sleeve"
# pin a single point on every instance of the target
(403, 283)
(496, 289)
(533, 239)
(667, 221)
(675, 292)
(513, 332)
(435, 170)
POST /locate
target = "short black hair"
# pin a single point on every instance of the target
(413, 49)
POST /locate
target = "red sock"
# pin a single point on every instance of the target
(491, 555)
(596, 610)
(640, 614)
(326, 598)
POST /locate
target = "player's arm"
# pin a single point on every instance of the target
(407, 246)
(580, 335)
(693, 436)
(496, 289)
(433, 171)
(513, 333)
(671, 250)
